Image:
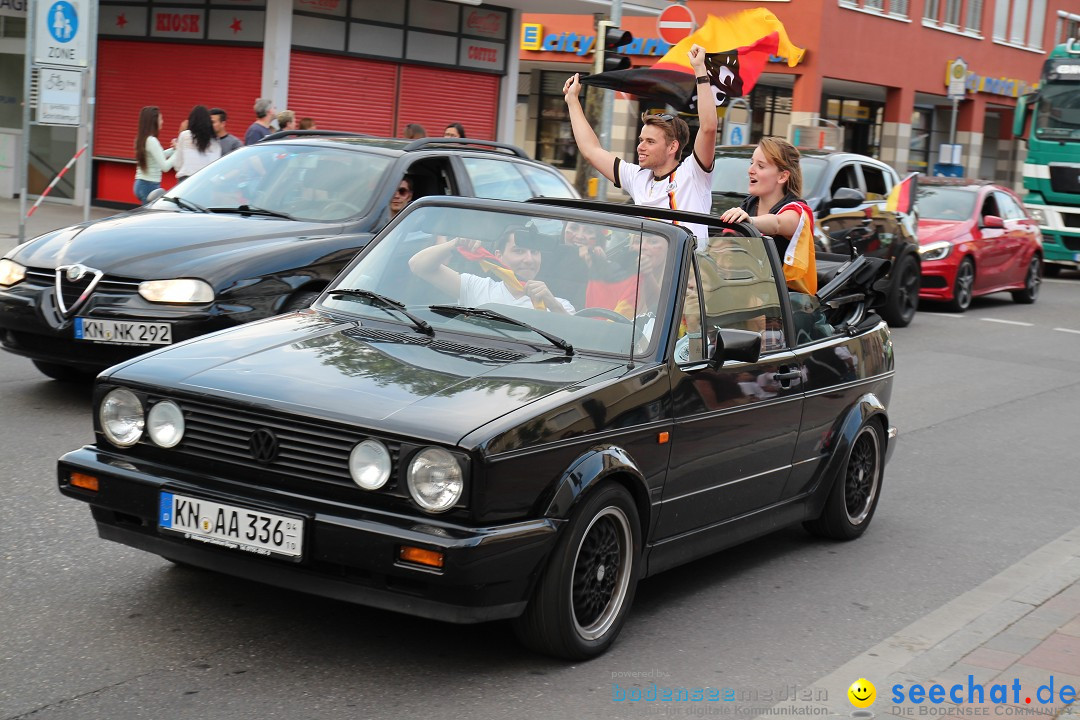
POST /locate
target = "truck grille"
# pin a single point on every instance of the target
(1065, 178)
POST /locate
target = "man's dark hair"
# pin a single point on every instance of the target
(523, 235)
(219, 111)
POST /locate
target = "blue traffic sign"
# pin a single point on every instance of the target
(63, 21)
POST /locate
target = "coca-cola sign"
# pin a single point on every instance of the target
(485, 23)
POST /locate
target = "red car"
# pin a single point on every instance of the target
(976, 238)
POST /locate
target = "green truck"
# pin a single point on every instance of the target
(1052, 168)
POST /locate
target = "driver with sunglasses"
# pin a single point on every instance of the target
(659, 179)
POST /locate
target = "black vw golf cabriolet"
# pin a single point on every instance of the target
(505, 410)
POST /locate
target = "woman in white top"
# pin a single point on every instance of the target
(150, 159)
(197, 146)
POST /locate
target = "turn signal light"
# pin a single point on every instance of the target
(420, 556)
(86, 482)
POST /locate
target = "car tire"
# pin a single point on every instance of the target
(1032, 280)
(1051, 269)
(585, 592)
(963, 287)
(903, 298)
(854, 496)
(63, 373)
(301, 300)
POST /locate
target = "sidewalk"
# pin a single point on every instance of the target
(48, 216)
(1007, 648)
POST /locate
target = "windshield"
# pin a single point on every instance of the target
(1058, 116)
(595, 286)
(945, 203)
(730, 175)
(303, 182)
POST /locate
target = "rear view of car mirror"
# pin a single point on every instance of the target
(847, 198)
(154, 195)
(992, 221)
(740, 345)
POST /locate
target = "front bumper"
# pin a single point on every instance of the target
(1062, 248)
(351, 551)
(938, 279)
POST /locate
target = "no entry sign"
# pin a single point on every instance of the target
(675, 23)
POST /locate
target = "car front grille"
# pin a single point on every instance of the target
(308, 450)
(71, 291)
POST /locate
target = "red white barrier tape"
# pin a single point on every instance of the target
(56, 180)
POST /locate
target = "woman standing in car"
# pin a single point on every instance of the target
(775, 207)
(150, 159)
(197, 146)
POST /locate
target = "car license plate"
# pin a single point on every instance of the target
(116, 332)
(236, 528)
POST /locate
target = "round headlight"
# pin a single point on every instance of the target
(121, 416)
(165, 423)
(369, 464)
(435, 479)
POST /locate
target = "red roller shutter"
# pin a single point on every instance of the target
(436, 97)
(175, 77)
(343, 93)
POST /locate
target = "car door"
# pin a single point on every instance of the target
(735, 426)
(496, 178)
(1018, 229)
(992, 245)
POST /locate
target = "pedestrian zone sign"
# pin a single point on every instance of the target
(60, 33)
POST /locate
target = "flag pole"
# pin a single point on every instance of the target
(608, 107)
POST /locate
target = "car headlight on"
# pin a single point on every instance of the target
(11, 272)
(435, 479)
(369, 464)
(165, 423)
(121, 416)
(1038, 214)
(935, 250)
(181, 290)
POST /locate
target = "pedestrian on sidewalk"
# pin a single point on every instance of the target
(229, 142)
(197, 146)
(454, 130)
(264, 115)
(307, 124)
(286, 120)
(150, 159)
(661, 178)
(415, 131)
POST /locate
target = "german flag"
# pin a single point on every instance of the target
(902, 197)
(800, 266)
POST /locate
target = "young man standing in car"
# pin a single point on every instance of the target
(661, 178)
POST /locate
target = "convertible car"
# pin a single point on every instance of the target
(443, 434)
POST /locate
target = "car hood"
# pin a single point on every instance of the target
(931, 231)
(150, 244)
(437, 389)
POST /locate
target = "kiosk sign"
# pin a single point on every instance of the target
(60, 34)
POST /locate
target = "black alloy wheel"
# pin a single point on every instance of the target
(584, 595)
(854, 497)
(1032, 281)
(903, 299)
(963, 287)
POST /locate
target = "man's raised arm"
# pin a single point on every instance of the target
(584, 136)
(705, 144)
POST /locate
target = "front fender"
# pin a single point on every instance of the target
(591, 468)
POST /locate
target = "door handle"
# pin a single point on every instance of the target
(788, 376)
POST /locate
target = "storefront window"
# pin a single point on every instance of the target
(12, 27)
(861, 120)
(554, 136)
(771, 107)
(922, 122)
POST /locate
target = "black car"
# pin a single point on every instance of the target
(259, 232)
(427, 439)
(847, 193)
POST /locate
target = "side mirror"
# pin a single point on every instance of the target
(154, 195)
(847, 198)
(992, 221)
(741, 345)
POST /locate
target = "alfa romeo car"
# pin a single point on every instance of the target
(847, 192)
(442, 435)
(261, 231)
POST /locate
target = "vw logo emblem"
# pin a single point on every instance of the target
(75, 272)
(263, 445)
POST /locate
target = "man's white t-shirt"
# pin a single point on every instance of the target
(476, 290)
(688, 187)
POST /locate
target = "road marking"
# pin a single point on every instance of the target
(1008, 322)
(1068, 330)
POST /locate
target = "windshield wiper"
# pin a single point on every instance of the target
(484, 312)
(186, 204)
(252, 210)
(419, 323)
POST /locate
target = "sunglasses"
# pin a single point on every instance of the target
(402, 191)
(666, 117)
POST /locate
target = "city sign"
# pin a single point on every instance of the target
(60, 36)
(60, 97)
